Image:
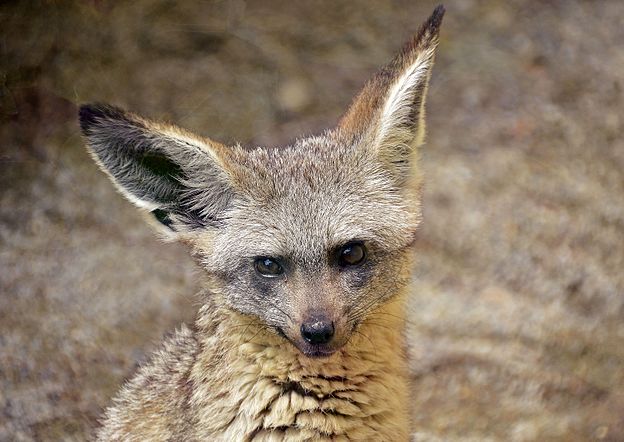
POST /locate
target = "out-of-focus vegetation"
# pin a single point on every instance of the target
(518, 311)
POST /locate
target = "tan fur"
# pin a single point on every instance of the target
(243, 371)
(251, 385)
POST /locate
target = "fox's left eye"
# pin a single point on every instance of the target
(352, 254)
(268, 267)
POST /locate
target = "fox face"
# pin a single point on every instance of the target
(313, 242)
(307, 239)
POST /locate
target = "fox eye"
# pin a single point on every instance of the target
(352, 254)
(268, 267)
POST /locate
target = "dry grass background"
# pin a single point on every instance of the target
(517, 318)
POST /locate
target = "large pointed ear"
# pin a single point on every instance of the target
(179, 177)
(389, 112)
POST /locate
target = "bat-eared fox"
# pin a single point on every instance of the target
(306, 252)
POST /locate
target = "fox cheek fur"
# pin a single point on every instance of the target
(307, 251)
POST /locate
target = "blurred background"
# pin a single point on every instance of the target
(517, 315)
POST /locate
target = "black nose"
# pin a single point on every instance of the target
(317, 331)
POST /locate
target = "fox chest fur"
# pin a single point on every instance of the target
(197, 388)
(272, 393)
(306, 252)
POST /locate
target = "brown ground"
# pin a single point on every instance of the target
(518, 312)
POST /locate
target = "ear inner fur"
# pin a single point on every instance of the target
(159, 167)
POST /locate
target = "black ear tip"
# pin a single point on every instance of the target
(88, 116)
(428, 32)
(435, 20)
(93, 114)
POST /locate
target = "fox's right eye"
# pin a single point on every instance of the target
(268, 267)
(352, 254)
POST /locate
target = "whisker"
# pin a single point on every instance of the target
(262, 328)
(369, 339)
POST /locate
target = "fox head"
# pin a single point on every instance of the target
(308, 239)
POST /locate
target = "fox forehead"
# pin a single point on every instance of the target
(305, 200)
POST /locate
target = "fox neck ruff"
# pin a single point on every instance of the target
(269, 390)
